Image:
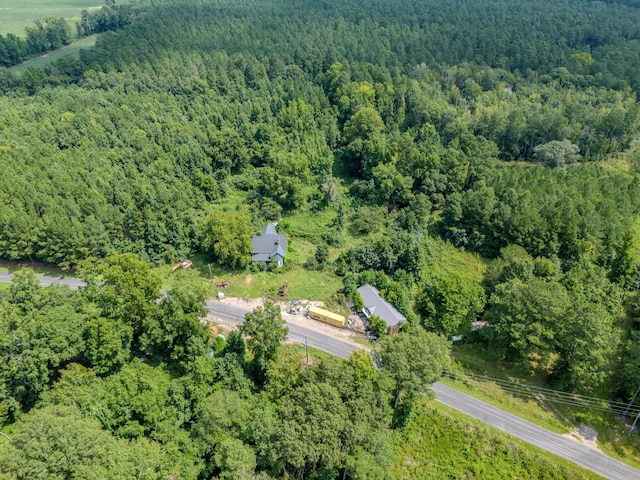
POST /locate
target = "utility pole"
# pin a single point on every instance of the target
(634, 424)
(210, 274)
(631, 402)
(306, 348)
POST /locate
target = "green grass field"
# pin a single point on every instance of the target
(303, 284)
(73, 50)
(16, 15)
(441, 443)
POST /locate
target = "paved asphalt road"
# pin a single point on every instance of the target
(227, 312)
(297, 333)
(46, 280)
(511, 424)
(562, 446)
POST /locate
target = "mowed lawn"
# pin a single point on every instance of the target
(73, 50)
(15, 15)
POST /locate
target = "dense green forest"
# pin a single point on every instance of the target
(508, 129)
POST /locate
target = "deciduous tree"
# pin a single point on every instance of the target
(227, 236)
(265, 330)
(414, 360)
(451, 304)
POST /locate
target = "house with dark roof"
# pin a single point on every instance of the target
(269, 245)
(374, 304)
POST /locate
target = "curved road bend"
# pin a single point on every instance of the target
(297, 333)
(564, 447)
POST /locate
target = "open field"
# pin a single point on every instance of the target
(443, 443)
(303, 284)
(16, 15)
(73, 50)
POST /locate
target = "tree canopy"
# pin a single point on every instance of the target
(471, 160)
(265, 330)
(414, 360)
(227, 236)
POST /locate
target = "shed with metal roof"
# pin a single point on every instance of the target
(374, 304)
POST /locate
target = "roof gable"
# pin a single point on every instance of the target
(270, 229)
(268, 244)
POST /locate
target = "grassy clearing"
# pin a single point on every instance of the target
(308, 226)
(303, 284)
(38, 267)
(618, 162)
(443, 443)
(16, 15)
(305, 230)
(297, 351)
(445, 258)
(73, 50)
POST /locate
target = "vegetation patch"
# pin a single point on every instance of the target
(441, 443)
(72, 50)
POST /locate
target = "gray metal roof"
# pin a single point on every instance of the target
(269, 244)
(269, 229)
(376, 305)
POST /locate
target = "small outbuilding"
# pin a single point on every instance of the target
(269, 245)
(374, 304)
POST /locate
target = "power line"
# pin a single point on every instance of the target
(557, 396)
